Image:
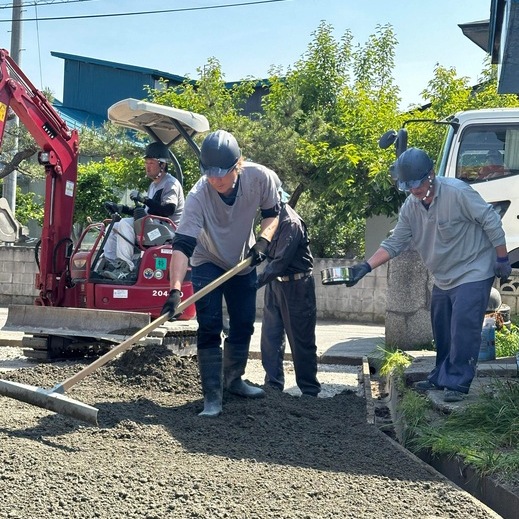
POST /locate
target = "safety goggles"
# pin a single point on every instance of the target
(407, 185)
(215, 171)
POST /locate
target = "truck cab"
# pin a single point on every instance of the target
(481, 147)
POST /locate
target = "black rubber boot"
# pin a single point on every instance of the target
(235, 358)
(210, 366)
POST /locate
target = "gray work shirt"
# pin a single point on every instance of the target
(456, 237)
(168, 191)
(225, 233)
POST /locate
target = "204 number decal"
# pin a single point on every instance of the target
(160, 293)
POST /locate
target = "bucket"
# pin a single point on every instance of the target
(487, 350)
(335, 275)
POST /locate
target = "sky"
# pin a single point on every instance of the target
(247, 40)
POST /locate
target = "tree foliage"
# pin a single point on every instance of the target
(446, 94)
(319, 127)
(329, 111)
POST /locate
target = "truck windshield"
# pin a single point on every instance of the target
(487, 152)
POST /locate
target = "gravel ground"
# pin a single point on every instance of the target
(152, 457)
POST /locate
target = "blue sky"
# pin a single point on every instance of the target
(247, 40)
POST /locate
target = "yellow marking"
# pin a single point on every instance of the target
(3, 111)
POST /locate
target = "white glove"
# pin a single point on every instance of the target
(136, 196)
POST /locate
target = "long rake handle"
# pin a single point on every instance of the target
(101, 361)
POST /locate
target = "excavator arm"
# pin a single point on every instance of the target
(59, 157)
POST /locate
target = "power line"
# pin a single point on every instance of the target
(45, 2)
(80, 17)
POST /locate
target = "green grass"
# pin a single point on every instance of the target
(484, 434)
(507, 341)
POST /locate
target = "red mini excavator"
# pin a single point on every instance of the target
(77, 312)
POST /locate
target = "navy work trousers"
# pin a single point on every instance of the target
(290, 307)
(457, 319)
(239, 293)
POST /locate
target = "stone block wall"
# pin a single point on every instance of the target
(396, 294)
(365, 302)
(17, 273)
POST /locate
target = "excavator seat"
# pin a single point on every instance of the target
(153, 230)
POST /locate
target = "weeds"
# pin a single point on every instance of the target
(394, 362)
(507, 341)
(484, 434)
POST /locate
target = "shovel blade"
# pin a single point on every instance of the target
(49, 400)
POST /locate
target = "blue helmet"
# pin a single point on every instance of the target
(412, 167)
(219, 154)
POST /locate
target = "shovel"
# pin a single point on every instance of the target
(55, 400)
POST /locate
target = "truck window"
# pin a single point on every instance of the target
(488, 152)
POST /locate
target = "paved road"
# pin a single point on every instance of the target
(335, 339)
(338, 341)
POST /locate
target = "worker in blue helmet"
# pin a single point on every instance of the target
(461, 241)
(215, 233)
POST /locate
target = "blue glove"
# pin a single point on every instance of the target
(259, 251)
(502, 268)
(171, 304)
(357, 272)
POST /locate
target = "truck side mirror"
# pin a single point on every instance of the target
(387, 139)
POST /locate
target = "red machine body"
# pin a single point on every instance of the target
(66, 278)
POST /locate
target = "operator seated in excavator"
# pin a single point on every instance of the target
(165, 198)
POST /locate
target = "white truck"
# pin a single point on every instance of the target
(481, 147)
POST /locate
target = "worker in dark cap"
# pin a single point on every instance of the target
(461, 241)
(165, 198)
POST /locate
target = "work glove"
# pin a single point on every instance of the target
(357, 272)
(136, 196)
(113, 208)
(259, 251)
(502, 268)
(171, 304)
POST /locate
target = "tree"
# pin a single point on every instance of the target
(446, 94)
(320, 130)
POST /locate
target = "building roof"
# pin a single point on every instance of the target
(75, 119)
(85, 102)
(113, 64)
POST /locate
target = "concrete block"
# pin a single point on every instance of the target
(6, 277)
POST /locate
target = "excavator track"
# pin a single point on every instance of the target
(68, 334)
(42, 348)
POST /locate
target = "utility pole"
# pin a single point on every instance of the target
(9, 183)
